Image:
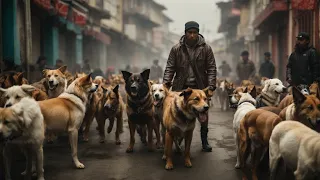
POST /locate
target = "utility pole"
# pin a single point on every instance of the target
(28, 35)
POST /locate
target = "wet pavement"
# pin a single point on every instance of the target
(110, 162)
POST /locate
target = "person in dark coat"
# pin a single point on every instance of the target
(245, 68)
(156, 71)
(267, 67)
(194, 44)
(225, 69)
(303, 67)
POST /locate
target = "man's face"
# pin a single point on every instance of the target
(245, 58)
(302, 42)
(267, 58)
(59, 64)
(43, 62)
(192, 35)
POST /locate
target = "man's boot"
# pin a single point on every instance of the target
(204, 138)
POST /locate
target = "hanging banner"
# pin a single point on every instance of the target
(62, 8)
(304, 4)
(45, 4)
(78, 17)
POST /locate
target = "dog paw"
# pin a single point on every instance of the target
(169, 166)
(80, 166)
(164, 157)
(188, 164)
(129, 150)
(118, 142)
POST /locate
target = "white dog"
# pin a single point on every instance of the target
(246, 103)
(14, 94)
(298, 146)
(22, 124)
(270, 95)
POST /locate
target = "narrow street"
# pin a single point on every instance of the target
(110, 162)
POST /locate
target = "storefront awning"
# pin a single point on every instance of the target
(273, 7)
(104, 38)
(304, 4)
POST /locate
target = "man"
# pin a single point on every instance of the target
(246, 68)
(201, 54)
(225, 69)
(59, 63)
(267, 67)
(303, 67)
(156, 71)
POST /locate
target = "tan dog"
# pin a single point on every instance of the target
(22, 124)
(110, 107)
(304, 109)
(255, 131)
(315, 89)
(66, 112)
(56, 81)
(180, 110)
(11, 78)
(298, 146)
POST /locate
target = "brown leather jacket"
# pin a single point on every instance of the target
(178, 65)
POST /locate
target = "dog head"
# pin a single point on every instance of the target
(137, 85)
(12, 78)
(307, 108)
(82, 86)
(262, 81)
(274, 86)
(240, 95)
(55, 77)
(195, 101)
(112, 98)
(315, 89)
(14, 94)
(159, 93)
(248, 96)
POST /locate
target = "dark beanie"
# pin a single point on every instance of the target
(191, 25)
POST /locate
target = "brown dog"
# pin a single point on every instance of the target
(305, 109)
(180, 110)
(110, 107)
(255, 131)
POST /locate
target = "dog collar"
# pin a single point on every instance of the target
(267, 99)
(247, 102)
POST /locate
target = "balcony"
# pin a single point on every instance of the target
(96, 10)
(140, 13)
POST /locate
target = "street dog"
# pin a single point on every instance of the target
(56, 81)
(140, 109)
(22, 124)
(298, 146)
(14, 94)
(305, 109)
(66, 112)
(245, 102)
(270, 95)
(254, 134)
(159, 93)
(180, 110)
(110, 107)
(226, 88)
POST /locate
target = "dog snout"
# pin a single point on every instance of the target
(133, 87)
(284, 89)
(156, 95)
(96, 86)
(206, 107)
(8, 105)
(51, 82)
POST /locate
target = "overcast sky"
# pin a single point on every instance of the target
(205, 12)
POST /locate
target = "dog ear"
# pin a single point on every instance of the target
(298, 97)
(104, 89)
(63, 69)
(186, 93)
(44, 72)
(151, 82)
(88, 77)
(126, 75)
(2, 91)
(208, 92)
(267, 84)
(19, 77)
(253, 92)
(116, 89)
(245, 90)
(167, 85)
(145, 74)
(28, 89)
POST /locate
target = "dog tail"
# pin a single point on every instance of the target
(244, 142)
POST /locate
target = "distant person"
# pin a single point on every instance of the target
(303, 67)
(245, 68)
(59, 63)
(97, 72)
(225, 69)
(267, 68)
(156, 71)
